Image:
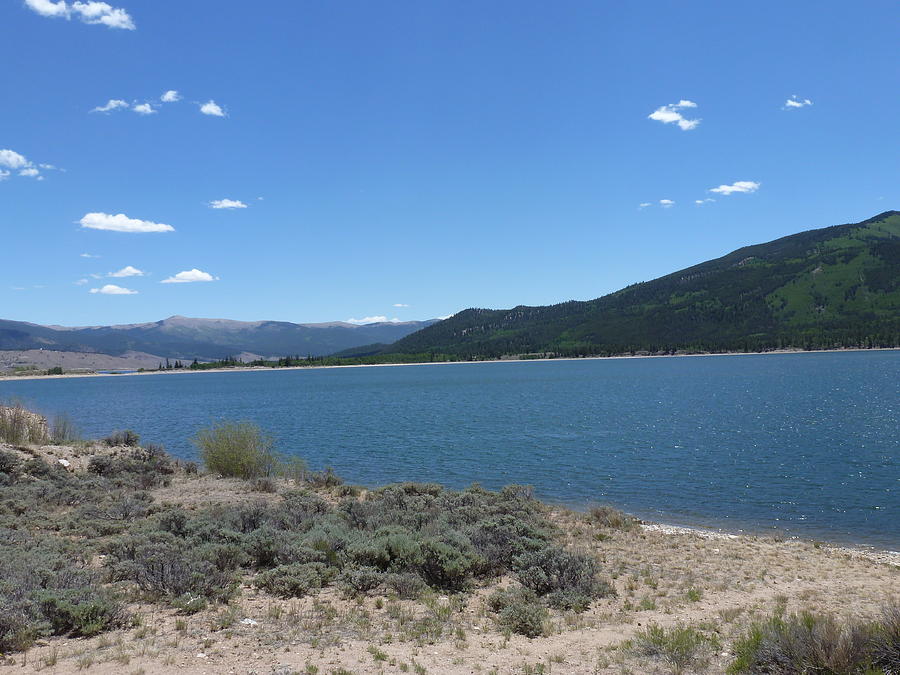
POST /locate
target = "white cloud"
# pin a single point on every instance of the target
(668, 114)
(121, 223)
(13, 160)
(373, 319)
(88, 255)
(446, 316)
(400, 304)
(794, 102)
(701, 202)
(49, 8)
(112, 104)
(112, 289)
(10, 161)
(143, 109)
(212, 108)
(189, 276)
(170, 96)
(644, 205)
(127, 271)
(94, 13)
(737, 186)
(80, 282)
(227, 204)
(666, 203)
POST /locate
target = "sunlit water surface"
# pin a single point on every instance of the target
(802, 443)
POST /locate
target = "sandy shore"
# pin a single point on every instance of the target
(663, 575)
(263, 369)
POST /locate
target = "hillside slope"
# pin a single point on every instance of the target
(186, 338)
(831, 287)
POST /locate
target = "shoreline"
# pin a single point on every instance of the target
(257, 369)
(871, 553)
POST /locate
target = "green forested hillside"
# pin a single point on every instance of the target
(832, 287)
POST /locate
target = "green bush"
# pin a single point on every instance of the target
(361, 580)
(569, 580)
(80, 612)
(519, 610)
(236, 450)
(296, 579)
(448, 566)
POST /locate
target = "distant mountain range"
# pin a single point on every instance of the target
(833, 287)
(181, 337)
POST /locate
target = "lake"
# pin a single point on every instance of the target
(805, 444)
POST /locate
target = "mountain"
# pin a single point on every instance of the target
(831, 287)
(181, 337)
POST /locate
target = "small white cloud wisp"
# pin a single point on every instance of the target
(227, 204)
(112, 104)
(671, 113)
(170, 96)
(796, 102)
(121, 223)
(127, 271)
(112, 289)
(740, 186)
(212, 108)
(666, 203)
(189, 277)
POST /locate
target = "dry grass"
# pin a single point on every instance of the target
(705, 585)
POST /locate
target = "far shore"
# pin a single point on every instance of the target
(257, 369)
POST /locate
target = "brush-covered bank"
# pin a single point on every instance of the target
(116, 558)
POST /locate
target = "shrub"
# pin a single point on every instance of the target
(327, 478)
(237, 450)
(63, 430)
(45, 590)
(126, 438)
(296, 579)
(9, 463)
(18, 425)
(679, 646)
(163, 567)
(501, 539)
(361, 580)
(568, 579)
(886, 640)
(80, 612)
(806, 643)
(447, 566)
(607, 516)
(407, 585)
(519, 610)
(264, 484)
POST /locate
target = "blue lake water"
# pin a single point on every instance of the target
(802, 443)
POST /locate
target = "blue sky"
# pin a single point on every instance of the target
(411, 159)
